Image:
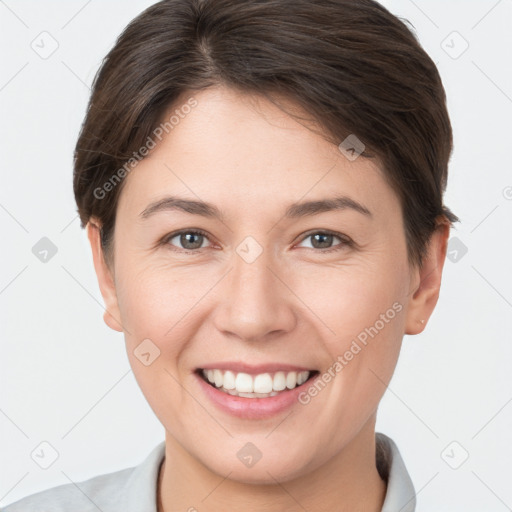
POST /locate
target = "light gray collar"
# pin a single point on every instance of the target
(400, 494)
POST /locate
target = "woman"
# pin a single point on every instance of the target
(262, 186)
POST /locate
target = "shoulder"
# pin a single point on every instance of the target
(85, 496)
(108, 492)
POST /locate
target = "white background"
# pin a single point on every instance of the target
(65, 376)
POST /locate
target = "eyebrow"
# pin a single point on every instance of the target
(295, 210)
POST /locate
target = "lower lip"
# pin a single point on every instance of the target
(253, 408)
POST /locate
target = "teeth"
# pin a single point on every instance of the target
(229, 380)
(302, 377)
(218, 378)
(263, 383)
(279, 382)
(291, 380)
(258, 386)
(243, 383)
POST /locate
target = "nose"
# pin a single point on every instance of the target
(255, 301)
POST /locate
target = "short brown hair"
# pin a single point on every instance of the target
(350, 64)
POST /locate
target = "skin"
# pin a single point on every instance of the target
(295, 304)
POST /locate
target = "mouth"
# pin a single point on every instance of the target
(261, 385)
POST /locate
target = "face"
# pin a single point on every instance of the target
(259, 286)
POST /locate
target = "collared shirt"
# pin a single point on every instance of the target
(135, 489)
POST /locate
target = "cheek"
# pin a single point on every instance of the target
(153, 304)
(162, 304)
(362, 311)
(153, 297)
(352, 297)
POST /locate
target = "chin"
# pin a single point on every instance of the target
(265, 471)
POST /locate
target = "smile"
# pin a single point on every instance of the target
(262, 385)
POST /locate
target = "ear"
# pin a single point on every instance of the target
(426, 281)
(111, 316)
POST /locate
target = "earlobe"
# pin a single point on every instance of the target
(427, 280)
(111, 316)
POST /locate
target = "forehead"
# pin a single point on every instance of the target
(238, 148)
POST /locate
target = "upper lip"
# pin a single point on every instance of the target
(238, 366)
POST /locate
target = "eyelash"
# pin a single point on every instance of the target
(345, 240)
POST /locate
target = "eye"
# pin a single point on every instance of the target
(323, 240)
(190, 240)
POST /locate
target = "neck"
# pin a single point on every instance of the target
(348, 481)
